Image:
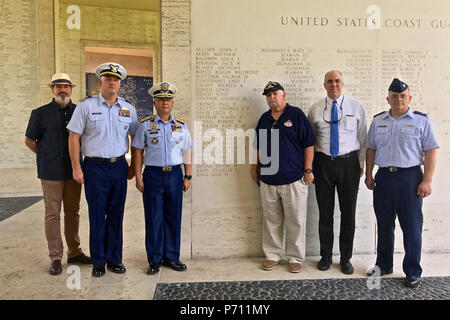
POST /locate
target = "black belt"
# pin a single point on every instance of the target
(344, 156)
(105, 159)
(164, 169)
(396, 169)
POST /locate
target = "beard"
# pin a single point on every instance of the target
(62, 99)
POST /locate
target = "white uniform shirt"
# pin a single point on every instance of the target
(164, 142)
(352, 126)
(104, 130)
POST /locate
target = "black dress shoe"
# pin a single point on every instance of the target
(81, 258)
(324, 263)
(346, 267)
(153, 268)
(176, 265)
(412, 282)
(55, 267)
(382, 272)
(98, 271)
(117, 268)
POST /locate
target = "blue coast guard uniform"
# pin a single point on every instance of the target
(104, 142)
(164, 144)
(400, 145)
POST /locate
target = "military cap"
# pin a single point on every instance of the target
(163, 90)
(272, 85)
(60, 77)
(398, 86)
(111, 69)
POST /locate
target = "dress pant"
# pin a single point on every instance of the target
(341, 174)
(395, 193)
(106, 190)
(163, 203)
(284, 203)
(67, 192)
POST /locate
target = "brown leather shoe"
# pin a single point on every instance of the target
(295, 267)
(269, 265)
(81, 258)
(55, 267)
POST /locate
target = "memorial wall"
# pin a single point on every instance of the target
(26, 30)
(237, 46)
(19, 54)
(220, 54)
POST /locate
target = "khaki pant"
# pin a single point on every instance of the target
(68, 192)
(284, 203)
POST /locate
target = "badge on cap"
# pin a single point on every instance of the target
(111, 69)
(114, 68)
(163, 90)
(272, 85)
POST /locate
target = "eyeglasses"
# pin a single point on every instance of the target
(326, 106)
(274, 124)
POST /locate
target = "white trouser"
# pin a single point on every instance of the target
(285, 202)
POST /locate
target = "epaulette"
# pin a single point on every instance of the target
(180, 120)
(126, 100)
(84, 98)
(379, 114)
(422, 114)
(145, 119)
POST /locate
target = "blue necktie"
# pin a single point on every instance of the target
(334, 131)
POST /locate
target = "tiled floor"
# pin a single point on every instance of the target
(24, 266)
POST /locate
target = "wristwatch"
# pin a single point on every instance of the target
(189, 177)
(307, 171)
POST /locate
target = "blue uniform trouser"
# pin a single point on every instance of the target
(106, 189)
(163, 201)
(396, 194)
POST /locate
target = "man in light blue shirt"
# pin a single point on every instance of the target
(103, 124)
(167, 144)
(399, 142)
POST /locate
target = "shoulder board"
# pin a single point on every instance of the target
(420, 113)
(379, 114)
(126, 100)
(145, 119)
(180, 120)
(85, 98)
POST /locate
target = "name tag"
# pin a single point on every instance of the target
(94, 113)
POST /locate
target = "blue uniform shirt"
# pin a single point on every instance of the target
(164, 142)
(402, 142)
(295, 135)
(104, 130)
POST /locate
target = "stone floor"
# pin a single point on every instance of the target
(12, 205)
(24, 275)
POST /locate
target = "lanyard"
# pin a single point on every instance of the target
(340, 108)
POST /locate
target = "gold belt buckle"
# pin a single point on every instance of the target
(164, 169)
(392, 169)
(112, 159)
